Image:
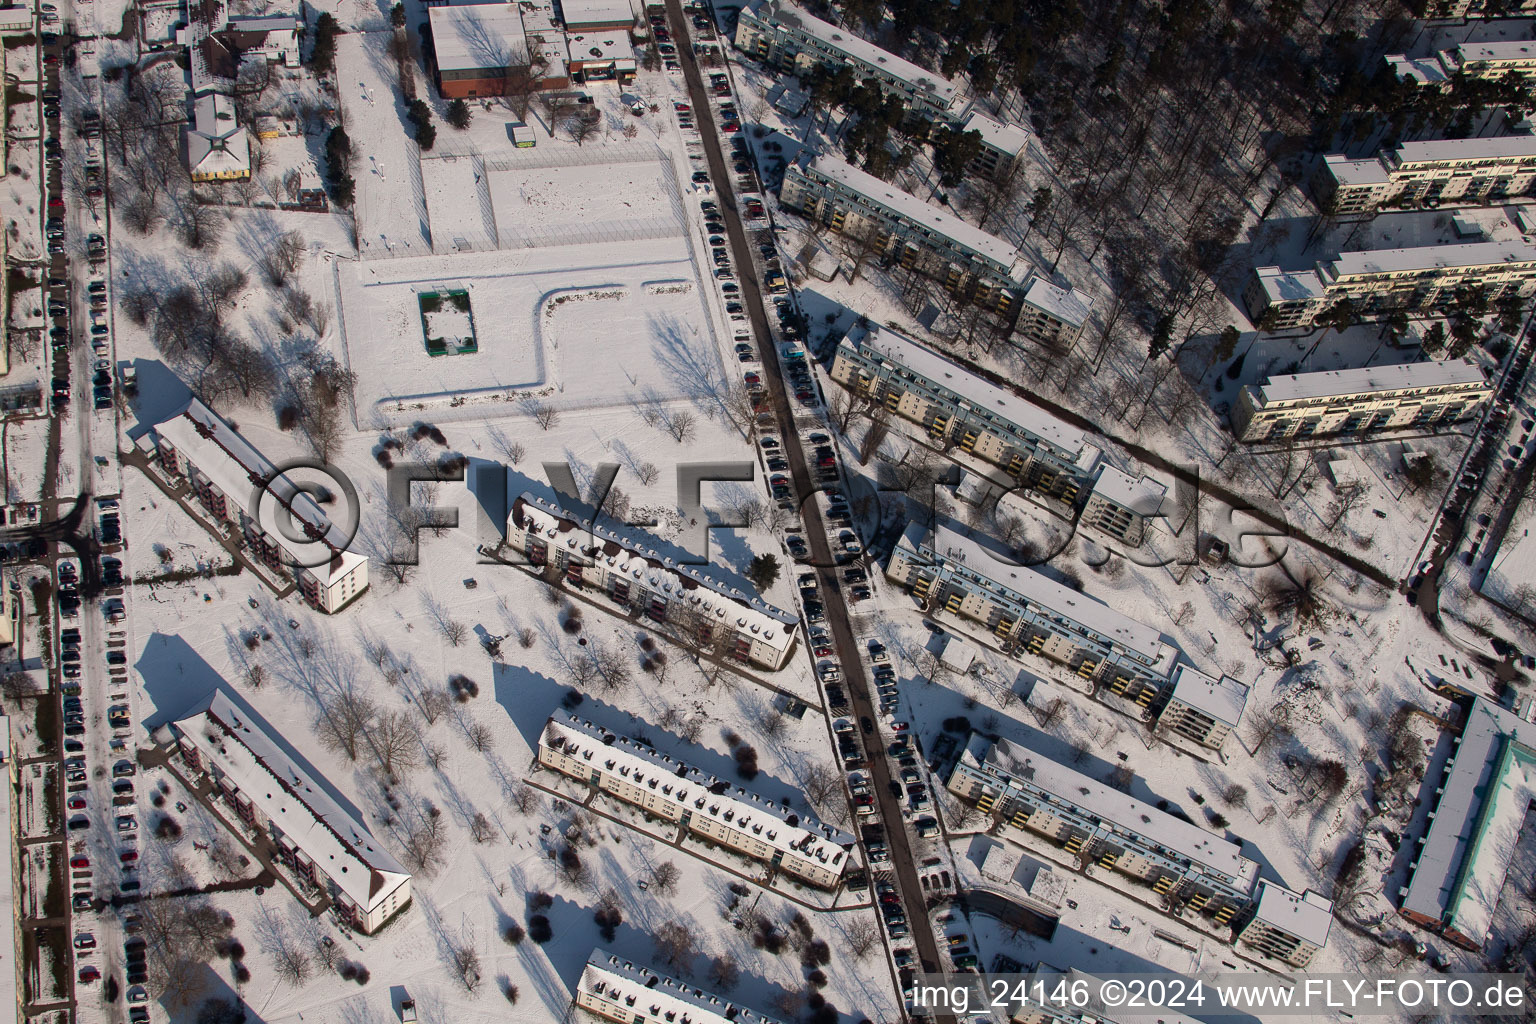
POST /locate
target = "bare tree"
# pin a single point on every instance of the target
(544, 414)
(280, 259)
(862, 934)
(724, 975)
(466, 965)
(480, 829)
(664, 878)
(396, 744)
(481, 736)
(345, 718)
(433, 702)
(682, 427)
(454, 632)
(582, 128)
(675, 944)
(647, 472)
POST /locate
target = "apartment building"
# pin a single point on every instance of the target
(1096, 824)
(272, 793)
(1477, 814)
(621, 990)
(708, 807)
(1002, 145)
(1288, 926)
(1449, 9)
(1052, 315)
(952, 406)
(1120, 505)
(1469, 171)
(1493, 60)
(1026, 611)
(1419, 281)
(779, 33)
(1418, 396)
(1202, 707)
(965, 258)
(239, 486)
(630, 569)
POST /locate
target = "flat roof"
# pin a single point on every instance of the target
(588, 46)
(1140, 494)
(1179, 837)
(914, 209)
(1063, 303)
(596, 12)
(1007, 138)
(470, 38)
(264, 23)
(1424, 70)
(1485, 795)
(1436, 150)
(950, 544)
(1429, 257)
(304, 813)
(1306, 915)
(1296, 387)
(1290, 285)
(980, 393)
(1223, 699)
(671, 998)
(1346, 171)
(1499, 51)
(844, 41)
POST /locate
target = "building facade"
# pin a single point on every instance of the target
(1203, 708)
(1419, 281)
(966, 259)
(621, 990)
(1026, 611)
(1120, 505)
(563, 542)
(1003, 146)
(708, 807)
(1492, 61)
(1186, 866)
(275, 795)
(1468, 171)
(778, 33)
(239, 486)
(953, 407)
(1417, 396)
(1051, 315)
(1288, 926)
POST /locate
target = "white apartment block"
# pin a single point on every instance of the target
(965, 258)
(1419, 396)
(1002, 145)
(564, 542)
(1420, 281)
(779, 33)
(954, 407)
(621, 990)
(1120, 505)
(1052, 315)
(1493, 60)
(312, 832)
(1203, 708)
(1440, 10)
(1027, 611)
(708, 807)
(1288, 926)
(1096, 824)
(224, 471)
(1468, 171)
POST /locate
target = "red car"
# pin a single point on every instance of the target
(79, 862)
(128, 856)
(89, 973)
(75, 803)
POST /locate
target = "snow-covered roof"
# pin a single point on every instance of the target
(965, 236)
(958, 656)
(1347, 171)
(1428, 257)
(1141, 495)
(1290, 285)
(659, 996)
(1484, 797)
(1223, 699)
(1306, 915)
(216, 142)
(1010, 760)
(951, 545)
(1065, 304)
(1005, 138)
(596, 12)
(1497, 52)
(1423, 70)
(707, 795)
(983, 395)
(303, 812)
(236, 467)
(846, 42)
(1300, 387)
(478, 37)
(264, 23)
(1445, 150)
(593, 47)
(638, 555)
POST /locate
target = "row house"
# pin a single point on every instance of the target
(238, 485)
(954, 407)
(272, 793)
(1027, 611)
(1182, 863)
(631, 570)
(1467, 171)
(714, 809)
(1418, 396)
(618, 989)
